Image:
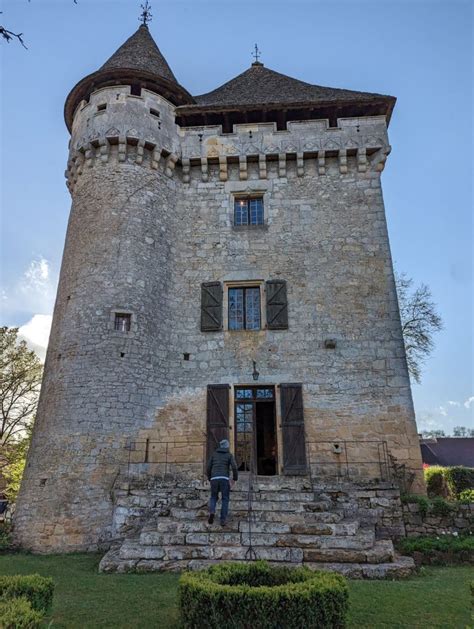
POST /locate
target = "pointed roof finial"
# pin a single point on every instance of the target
(146, 15)
(256, 54)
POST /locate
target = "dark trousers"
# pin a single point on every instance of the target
(222, 486)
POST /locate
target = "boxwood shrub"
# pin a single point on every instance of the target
(17, 613)
(259, 596)
(435, 481)
(36, 589)
(459, 478)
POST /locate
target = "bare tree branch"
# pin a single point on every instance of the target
(8, 35)
(420, 321)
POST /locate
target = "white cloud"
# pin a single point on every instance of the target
(443, 411)
(33, 292)
(469, 402)
(453, 403)
(36, 333)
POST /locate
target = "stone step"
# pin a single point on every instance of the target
(381, 552)
(363, 540)
(400, 567)
(264, 496)
(133, 550)
(299, 526)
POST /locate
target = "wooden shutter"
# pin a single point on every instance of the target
(277, 305)
(292, 420)
(211, 306)
(217, 415)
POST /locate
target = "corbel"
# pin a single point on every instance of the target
(282, 164)
(243, 167)
(186, 168)
(362, 160)
(300, 164)
(204, 169)
(322, 162)
(223, 168)
(343, 161)
(262, 166)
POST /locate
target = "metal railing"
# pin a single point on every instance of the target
(166, 459)
(350, 460)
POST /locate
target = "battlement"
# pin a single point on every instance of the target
(141, 130)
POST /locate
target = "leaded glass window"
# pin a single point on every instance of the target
(248, 211)
(244, 308)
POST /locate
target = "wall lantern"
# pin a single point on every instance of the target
(255, 373)
(336, 448)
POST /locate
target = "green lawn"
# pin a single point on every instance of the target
(85, 598)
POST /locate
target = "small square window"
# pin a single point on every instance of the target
(244, 308)
(122, 322)
(248, 211)
(154, 112)
(102, 107)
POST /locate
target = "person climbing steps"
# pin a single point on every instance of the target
(218, 473)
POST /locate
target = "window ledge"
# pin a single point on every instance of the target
(245, 228)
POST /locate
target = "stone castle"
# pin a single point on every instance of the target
(226, 273)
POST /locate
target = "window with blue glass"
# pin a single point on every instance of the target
(244, 308)
(248, 211)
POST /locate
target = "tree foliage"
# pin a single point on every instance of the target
(20, 381)
(420, 321)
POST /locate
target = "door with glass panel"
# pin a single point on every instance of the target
(255, 430)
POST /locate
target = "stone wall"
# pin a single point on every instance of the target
(459, 521)
(151, 220)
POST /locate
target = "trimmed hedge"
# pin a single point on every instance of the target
(17, 613)
(435, 481)
(459, 478)
(36, 589)
(448, 481)
(259, 596)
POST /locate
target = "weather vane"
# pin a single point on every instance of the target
(146, 15)
(256, 54)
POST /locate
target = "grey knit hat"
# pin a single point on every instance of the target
(224, 443)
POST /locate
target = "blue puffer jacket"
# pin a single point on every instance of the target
(220, 463)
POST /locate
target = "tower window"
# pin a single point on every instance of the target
(102, 107)
(244, 308)
(122, 322)
(155, 112)
(248, 211)
(135, 89)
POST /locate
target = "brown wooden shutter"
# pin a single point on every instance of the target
(277, 305)
(292, 420)
(211, 306)
(217, 415)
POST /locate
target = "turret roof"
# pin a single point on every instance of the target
(140, 52)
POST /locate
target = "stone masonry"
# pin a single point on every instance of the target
(152, 220)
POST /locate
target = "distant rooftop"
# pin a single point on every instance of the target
(448, 451)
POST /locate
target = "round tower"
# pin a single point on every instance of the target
(109, 335)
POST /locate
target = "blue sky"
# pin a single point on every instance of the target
(419, 51)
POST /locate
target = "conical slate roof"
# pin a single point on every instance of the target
(259, 85)
(137, 61)
(140, 52)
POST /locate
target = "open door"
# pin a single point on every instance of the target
(292, 421)
(217, 415)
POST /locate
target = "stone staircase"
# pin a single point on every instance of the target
(163, 526)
